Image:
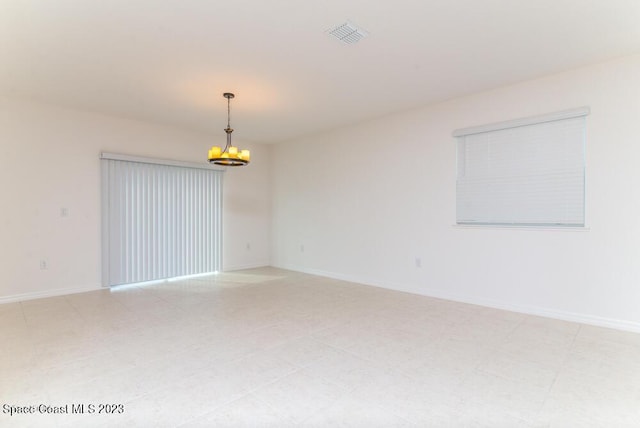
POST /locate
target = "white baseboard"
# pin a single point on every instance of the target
(507, 306)
(48, 293)
(430, 292)
(245, 266)
(73, 290)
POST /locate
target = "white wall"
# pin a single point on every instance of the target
(366, 200)
(49, 159)
(247, 211)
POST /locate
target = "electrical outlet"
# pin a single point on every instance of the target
(43, 264)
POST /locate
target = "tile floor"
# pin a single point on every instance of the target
(272, 348)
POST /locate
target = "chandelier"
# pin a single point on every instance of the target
(230, 155)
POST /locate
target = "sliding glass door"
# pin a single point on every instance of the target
(160, 219)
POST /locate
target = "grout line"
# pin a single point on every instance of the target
(24, 316)
(561, 366)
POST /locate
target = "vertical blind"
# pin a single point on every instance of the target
(160, 220)
(527, 172)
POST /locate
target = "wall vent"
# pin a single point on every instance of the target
(348, 33)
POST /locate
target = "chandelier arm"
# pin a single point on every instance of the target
(226, 147)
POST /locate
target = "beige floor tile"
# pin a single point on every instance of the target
(514, 368)
(303, 351)
(255, 370)
(271, 348)
(408, 398)
(245, 412)
(348, 370)
(351, 412)
(503, 396)
(609, 335)
(300, 396)
(591, 401)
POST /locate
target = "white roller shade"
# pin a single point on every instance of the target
(159, 220)
(528, 172)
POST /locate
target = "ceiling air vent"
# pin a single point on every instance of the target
(348, 33)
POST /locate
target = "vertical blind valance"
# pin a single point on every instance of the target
(159, 220)
(525, 172)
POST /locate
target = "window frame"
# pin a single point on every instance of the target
(517, 126)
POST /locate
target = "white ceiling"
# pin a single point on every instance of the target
(170, 61)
